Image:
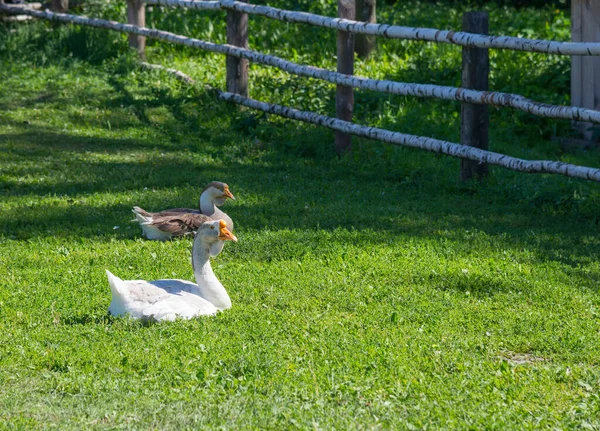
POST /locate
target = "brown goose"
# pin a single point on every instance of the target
(170, 223)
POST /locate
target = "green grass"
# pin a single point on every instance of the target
(370, 292)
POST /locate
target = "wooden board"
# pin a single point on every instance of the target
(585, 71)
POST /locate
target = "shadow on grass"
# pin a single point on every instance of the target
(86, 319)
(106, 319)
(286, 195)
(64, 174)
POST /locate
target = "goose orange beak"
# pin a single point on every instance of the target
(224, 233)
(227, 193)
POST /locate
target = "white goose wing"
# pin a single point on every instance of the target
(184, 305)
(160, 300)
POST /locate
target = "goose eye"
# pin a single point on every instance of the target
(212, 227)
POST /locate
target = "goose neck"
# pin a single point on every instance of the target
(209, 286)
(207, 206)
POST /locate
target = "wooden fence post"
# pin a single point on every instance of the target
(237, 68)
(60, 6)
(585, 71)
(136, 15)
(474, 122)
(364, 44)
(344, 98)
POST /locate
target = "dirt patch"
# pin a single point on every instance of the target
(515, 358)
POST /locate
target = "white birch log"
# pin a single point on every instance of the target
(198, 5)
(27, 5)
(15, 18)
(428, 144)
(405, 89)
(178, 74)
(396, 138)
(402, 139)
(415, 33)
(396, 31)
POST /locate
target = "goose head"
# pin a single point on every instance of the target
(211, 236)
(218, 192)
(214, 231)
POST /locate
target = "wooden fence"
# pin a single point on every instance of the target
(474, 138)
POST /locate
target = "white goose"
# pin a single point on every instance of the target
(170, 223)
(168, 299)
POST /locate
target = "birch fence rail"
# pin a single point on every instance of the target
(400, 139)
(407, 89)
(393, 31)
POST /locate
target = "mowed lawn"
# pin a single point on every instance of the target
(371, 292)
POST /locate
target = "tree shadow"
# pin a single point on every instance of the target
(278, 192)
(86, 319)
(285, 195)
(106, 320)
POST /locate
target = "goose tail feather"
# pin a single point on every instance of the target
(118, 303)
(141, 216)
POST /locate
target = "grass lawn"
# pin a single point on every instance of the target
(370, 292)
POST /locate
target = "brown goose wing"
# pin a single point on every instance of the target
(180, 223)
(175, 212)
